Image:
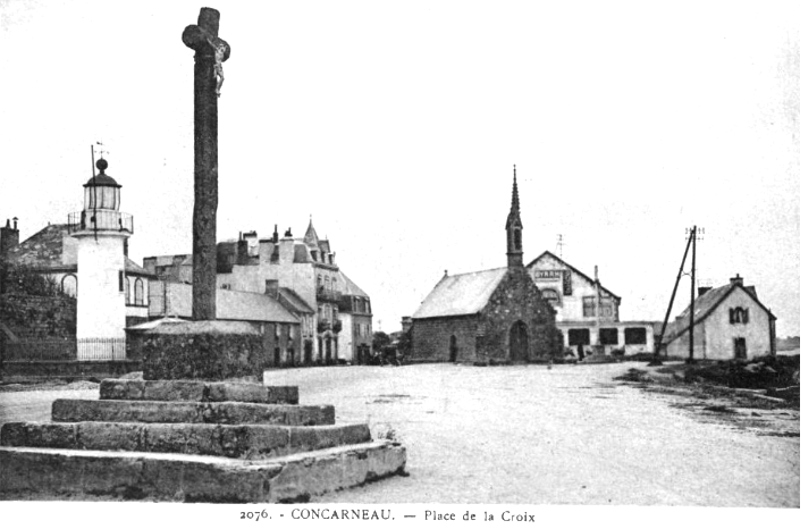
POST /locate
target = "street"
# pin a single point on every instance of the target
(534, 435)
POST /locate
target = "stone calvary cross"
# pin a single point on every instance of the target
(210, 52)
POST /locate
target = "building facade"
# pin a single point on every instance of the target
(576, 298)
(490, 316)
(335, 314)
(279, 328)
(730, 322)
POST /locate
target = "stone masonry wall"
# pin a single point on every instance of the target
(38, 317)
(431, 339)
(213, 350)
(517, 299)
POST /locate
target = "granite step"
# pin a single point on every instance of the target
(196, 391)
(238, 441)
(70, 410)
(81, 475)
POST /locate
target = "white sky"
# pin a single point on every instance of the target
(397, 125)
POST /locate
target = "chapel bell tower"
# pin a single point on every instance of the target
(514, 230)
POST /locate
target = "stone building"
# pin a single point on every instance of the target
(303, 275)
(357, 322)
(490, 316)
(278, 328)
(576, 297)
(87, 259)
(730, 322)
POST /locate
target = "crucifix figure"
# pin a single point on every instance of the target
(210, 52)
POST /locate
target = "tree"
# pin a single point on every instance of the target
(380, 340)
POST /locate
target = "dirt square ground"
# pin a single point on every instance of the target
(527, 434)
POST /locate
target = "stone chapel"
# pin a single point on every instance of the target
(489, 316)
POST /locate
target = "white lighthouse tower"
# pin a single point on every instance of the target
(101, 230)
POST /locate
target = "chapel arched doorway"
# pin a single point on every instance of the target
(518, 342)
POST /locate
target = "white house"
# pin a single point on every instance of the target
(729, 322)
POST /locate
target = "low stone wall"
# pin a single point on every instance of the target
(212, 350)
(66, 370)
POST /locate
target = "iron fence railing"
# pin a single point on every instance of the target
(327, 294)
(101, 349)
(101, 219)
(84, 349)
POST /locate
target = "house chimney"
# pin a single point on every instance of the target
(286, 248)
(703, 290)
(9, 238)
(737, 280)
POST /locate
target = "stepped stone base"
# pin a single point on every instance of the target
(190, 441)
(47, 473)
(239, 441)
(68, 410)
(197, 391)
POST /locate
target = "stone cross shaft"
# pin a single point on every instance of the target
(210, 52)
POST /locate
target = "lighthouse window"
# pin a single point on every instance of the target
(122, 281)
(139, 292)
(69, 285)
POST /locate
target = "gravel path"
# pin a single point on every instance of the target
(533, 435)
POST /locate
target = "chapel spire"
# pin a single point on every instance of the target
(514, 228)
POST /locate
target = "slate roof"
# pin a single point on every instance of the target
(349, 288)
(292, 301)
(573, 269)
(460, 294)
(44, 250)
(301, 253)
(231, 305)
(706, 305)
(311, 235)
(133, 268)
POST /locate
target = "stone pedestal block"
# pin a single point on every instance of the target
(201, 350)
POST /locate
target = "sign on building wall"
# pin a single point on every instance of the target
(547, 276)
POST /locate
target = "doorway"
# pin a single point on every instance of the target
(518, 342)
(740, 349)
(453, 349)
